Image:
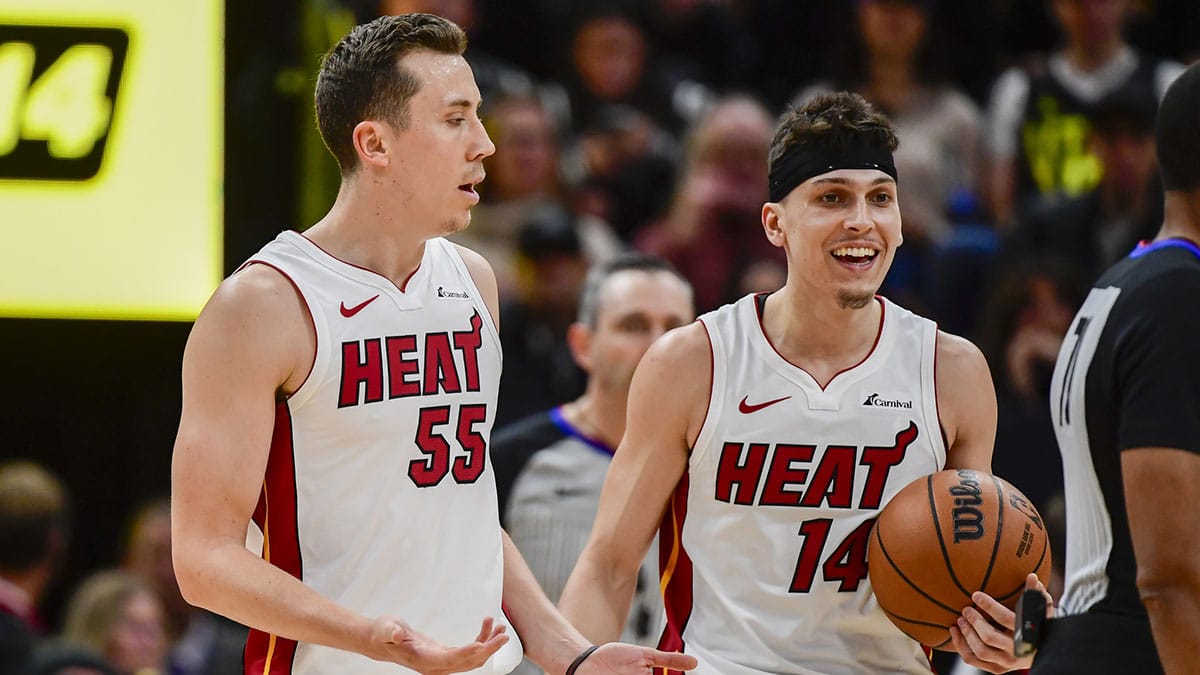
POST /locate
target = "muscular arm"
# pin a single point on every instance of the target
(1162, 491)
(249, 341)
(549, 639)
(966, 399)
(966, 404)
(253, 341)
(667, 402)
(1158, 380)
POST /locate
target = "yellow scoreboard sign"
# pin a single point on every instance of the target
(110, 157)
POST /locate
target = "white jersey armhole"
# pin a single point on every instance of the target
(716, 400)
(929, 340)
(460, 266)
(316, 319)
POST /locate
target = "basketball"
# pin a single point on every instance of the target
(946, 536)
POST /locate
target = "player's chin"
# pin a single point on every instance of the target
(855, 298)
(452, 225)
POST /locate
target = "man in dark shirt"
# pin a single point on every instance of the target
(1125, 400)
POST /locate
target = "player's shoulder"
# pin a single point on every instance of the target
(483, 276)
(256, 289)
(475, 262)
(257, 303)
(256, 321)
(688, 344)
(1171, 280)
(959, 361)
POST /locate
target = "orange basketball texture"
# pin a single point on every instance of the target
(945, 536)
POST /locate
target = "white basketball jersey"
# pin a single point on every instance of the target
(765, 542)
(379, 493)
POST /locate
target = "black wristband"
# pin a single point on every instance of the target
(580, 659)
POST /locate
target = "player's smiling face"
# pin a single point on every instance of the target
(840, 230)
(440, 151)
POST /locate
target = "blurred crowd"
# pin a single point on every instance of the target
(1026, 158)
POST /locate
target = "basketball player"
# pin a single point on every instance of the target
(1126, 405)
(550, 466)
(339, 391)
(767, 436)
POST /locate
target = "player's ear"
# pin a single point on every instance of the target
(371, 143)
(772, 222)
(579, 340)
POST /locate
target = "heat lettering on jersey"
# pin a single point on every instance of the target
(829, 483)
(369, 364)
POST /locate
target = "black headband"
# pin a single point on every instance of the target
(803, 161)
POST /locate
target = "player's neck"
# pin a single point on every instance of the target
(821, 336)
(1181, 216)
(359, 232)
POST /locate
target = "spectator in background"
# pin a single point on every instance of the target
(1026, 314)
(201, 643)
(34, 531)
(712, 232)
(704, 41)
(550, 466)
(617, 167)
(611, 62)
(60, 658)
(539, 371)
(625, 113)
(896, 61)
(1040, 114)
(523, 178)
(119, 616)
(1099, 227)
(494, 75)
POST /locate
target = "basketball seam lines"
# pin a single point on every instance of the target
(1038, 566)
(908, 581)
(895, 616)
(941, 540)
(999, 531)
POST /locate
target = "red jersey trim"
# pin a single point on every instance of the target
(275, 515)
(403, 285)
(823, 387)
(307, 310)
(676, 570)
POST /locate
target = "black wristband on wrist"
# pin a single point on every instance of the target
(580, 659)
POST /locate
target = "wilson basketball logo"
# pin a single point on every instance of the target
(968, 518)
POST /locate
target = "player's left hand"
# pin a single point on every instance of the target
(627, 659)
(983, 636)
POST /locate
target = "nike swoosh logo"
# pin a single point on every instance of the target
(747, 408)
(351, 311)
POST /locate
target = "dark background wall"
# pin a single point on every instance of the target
(97, 402)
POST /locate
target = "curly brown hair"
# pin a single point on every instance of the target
(832, 121)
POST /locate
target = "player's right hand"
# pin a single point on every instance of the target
(395, 641)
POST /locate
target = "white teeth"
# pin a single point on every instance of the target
(854, 252)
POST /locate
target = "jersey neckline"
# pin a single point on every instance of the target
(1145, 247)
